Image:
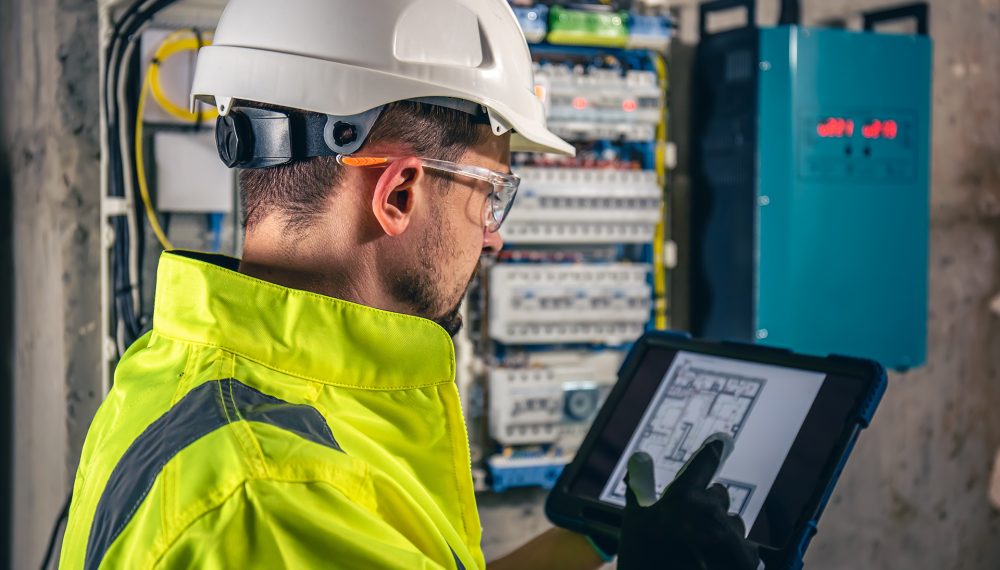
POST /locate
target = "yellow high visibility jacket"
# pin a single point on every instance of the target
(258, 426)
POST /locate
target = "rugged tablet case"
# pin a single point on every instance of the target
(790, 557)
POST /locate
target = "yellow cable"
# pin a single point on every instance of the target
(659, 237)
(140, 168)
(170, 47)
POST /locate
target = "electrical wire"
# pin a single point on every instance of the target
(125, 296)
(50, 550)
(140, 167)
(170, 47)
(133, 217)
(659, 236)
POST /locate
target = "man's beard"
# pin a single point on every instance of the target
(420, 288)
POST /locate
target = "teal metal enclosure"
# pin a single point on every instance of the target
(811, 196)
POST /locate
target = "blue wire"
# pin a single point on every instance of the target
(215, 220)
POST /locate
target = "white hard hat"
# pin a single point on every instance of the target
(347, 58)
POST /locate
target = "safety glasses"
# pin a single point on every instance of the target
(499, 202)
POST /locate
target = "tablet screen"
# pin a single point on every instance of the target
(677, 399)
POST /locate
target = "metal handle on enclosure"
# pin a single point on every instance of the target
(917, 10)
(723, 5)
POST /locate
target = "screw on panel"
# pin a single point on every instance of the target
(765, 66)
(761, 334)
(764, 200)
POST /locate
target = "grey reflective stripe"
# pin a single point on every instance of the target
(202, 411)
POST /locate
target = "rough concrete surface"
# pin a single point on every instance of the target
(49, 94)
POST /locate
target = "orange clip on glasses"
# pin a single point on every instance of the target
(499, 202)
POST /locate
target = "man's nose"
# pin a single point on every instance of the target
(492, 242)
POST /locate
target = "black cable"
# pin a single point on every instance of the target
(123, 35)
(50, 550)
(124, 312)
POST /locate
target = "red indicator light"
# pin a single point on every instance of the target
(629, 105)
(890, 129)
(872, 130)
(579, 103)
(835, 127)
(878, 129)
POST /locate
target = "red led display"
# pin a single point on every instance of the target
(629, 105)
(839, 128)
(878, 129)
(579, 103)
(835, 128)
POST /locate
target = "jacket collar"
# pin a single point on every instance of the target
(202, 298)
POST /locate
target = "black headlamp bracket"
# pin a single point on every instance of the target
(249, 137)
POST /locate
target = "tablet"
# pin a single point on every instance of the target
(794, 420)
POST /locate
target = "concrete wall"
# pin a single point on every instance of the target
(49, 105)
(915, 492)
(914, 495)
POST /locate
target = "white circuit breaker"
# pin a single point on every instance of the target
(605, 304)
(584, 205)
(601, 103)
(551, 400)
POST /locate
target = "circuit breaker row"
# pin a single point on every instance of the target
(546, 233)
(600, 95)
(586, 195)
(584, 206)
(555, 303)
(549, 404)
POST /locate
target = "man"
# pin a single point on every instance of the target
(297, 408)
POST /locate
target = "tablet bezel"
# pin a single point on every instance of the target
(592, 516)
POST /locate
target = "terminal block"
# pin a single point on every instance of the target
(592, 103)
(539, 471)
(606, 304)
(540, 412)
(526, 405)
(610, 232)
(551, 400)
(584, 205)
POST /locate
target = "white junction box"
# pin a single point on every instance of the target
(190, 178)
(569, 303)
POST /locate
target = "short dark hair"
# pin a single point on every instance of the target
(297, 190)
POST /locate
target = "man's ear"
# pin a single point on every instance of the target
(393, 199)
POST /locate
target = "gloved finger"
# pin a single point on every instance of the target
(719, 495)
(641, 479)
(699, 471)
(737, 524)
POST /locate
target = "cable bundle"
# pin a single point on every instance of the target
(122, 98)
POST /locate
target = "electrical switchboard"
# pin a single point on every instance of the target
(810, 189)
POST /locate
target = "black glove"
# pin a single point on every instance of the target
(689, 527)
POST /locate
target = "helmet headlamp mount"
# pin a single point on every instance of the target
(252, 137)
